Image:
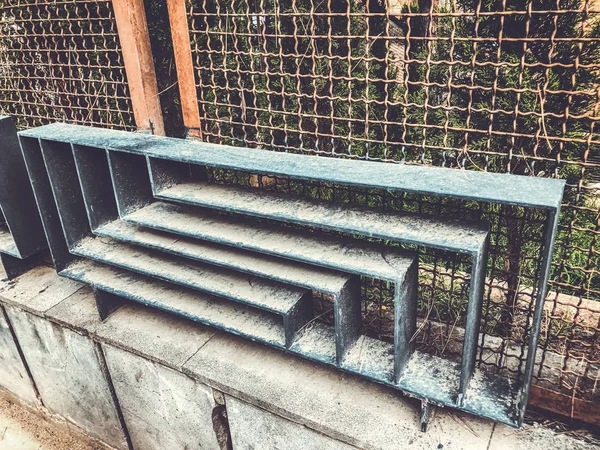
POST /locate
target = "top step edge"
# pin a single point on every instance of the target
(481, 186)
(454, 235)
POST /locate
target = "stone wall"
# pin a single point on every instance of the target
(147, 380)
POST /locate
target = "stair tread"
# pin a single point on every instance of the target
(283, 270)
(247, 289)
(452, 235)
(348, 255)
(228, 315)
(316, 341)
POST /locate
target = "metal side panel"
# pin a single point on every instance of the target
(36, 169)
(131, 181)
(96, 185)
(17, 201)
(166, 173)
(405, 318)
(62, 174)
(473, 319)
(347, 318)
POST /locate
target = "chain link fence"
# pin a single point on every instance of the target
(495, 85)
(60, 60)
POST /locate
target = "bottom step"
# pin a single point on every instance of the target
(426, 377)
(227, 315)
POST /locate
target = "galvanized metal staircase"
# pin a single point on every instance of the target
(135, 217)
(21, 232)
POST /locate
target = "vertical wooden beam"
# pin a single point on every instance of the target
(185, 67)
(130, 16)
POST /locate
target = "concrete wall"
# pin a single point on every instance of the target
(146, 380)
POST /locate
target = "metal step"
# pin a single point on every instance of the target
(286, 271)
(456, 236)
(257, 292)
(214, 311)
(293, 304)
(347, 255)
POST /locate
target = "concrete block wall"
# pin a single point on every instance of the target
(147, 380)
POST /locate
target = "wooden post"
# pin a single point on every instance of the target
(130, 16)
(180, 34)
(568, 406)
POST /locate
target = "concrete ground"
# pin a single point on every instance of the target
(27, 429)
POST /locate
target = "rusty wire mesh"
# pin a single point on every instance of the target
(60, 60)
(495, 85)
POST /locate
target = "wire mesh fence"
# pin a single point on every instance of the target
(496, 85)
(61, 61)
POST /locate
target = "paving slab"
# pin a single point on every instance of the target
(37, 290)
(13, 374)
(254, 428)
(163, 409)
(338, 405)
(69, 375)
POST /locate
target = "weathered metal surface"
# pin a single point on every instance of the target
(45, 201)
(21, 231)
(471, 185)
(257, 292)
(285, 271)
(447, 235)
(106, 185)
(346, 255)
(229, 316)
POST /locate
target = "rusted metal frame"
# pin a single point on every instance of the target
(134, 37)
(180, 35)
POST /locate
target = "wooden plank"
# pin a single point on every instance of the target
(565, 405)
(180, 34)
(130, 16)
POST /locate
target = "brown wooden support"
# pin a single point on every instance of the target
(130, 16)
(185, 68)
(565, 405)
